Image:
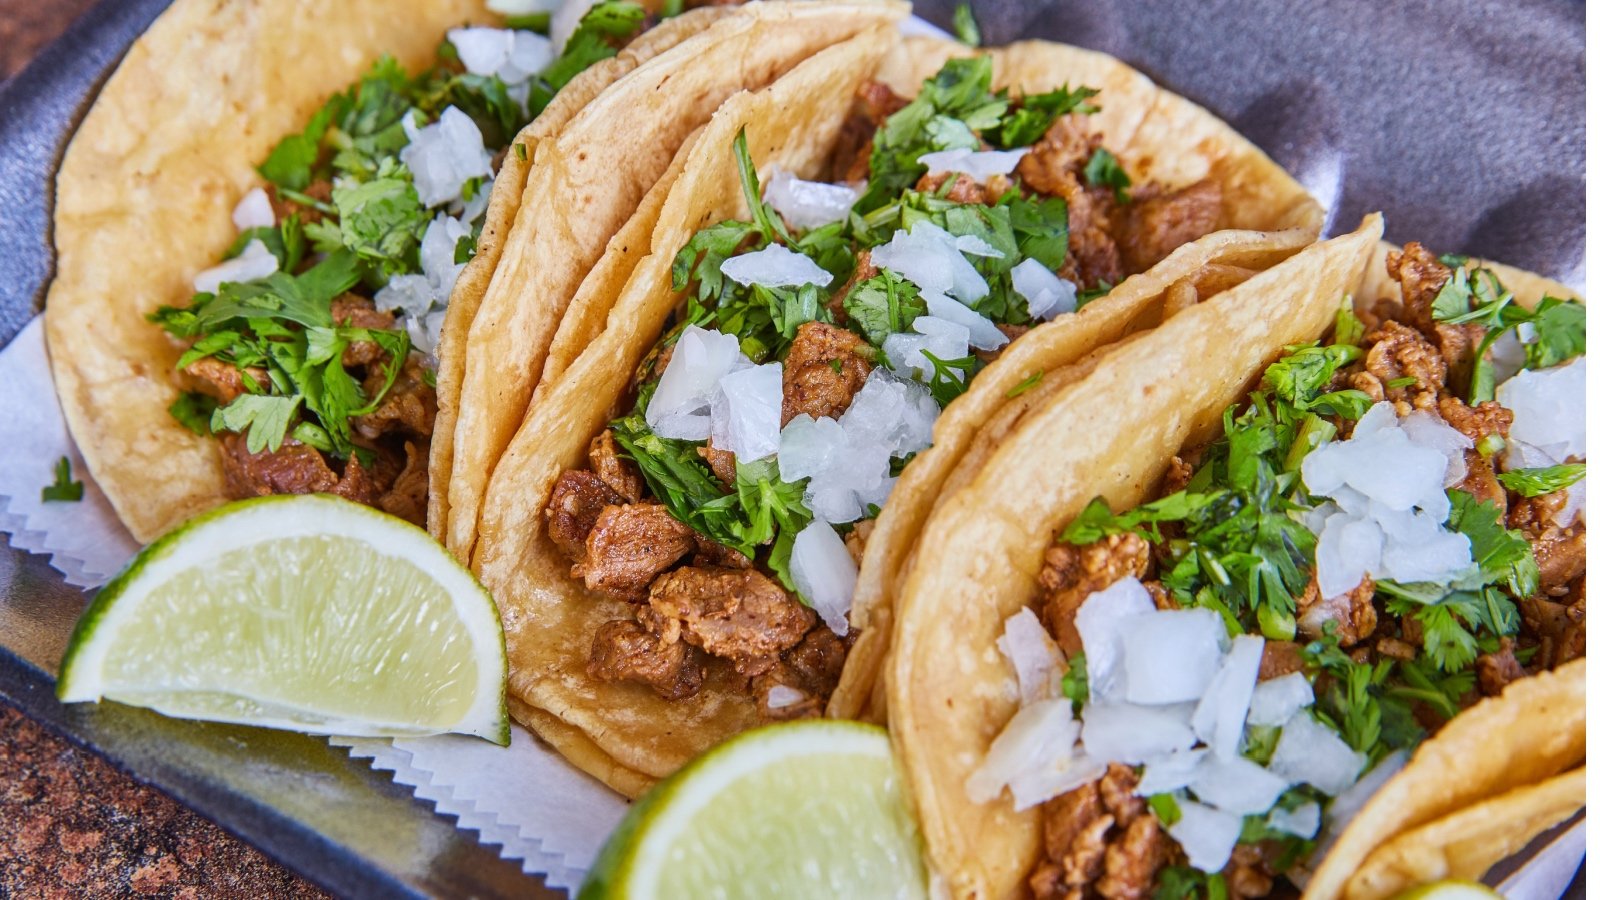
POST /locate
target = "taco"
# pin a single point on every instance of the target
(585, 184)
(361, 202)
(1185, 620)
(784, 345)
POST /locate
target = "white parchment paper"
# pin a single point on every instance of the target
(525, 799)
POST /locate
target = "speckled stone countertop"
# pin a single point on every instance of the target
(71, 825)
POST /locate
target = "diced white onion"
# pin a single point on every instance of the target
(510, 55)
(1039, 737)
(1206, 834)
(1099, 622)
(1125, 732)
(1309, 752)
(1303, 822)
(775, 266)
(1275, 700)
(681, 405)
(1035, 657)
(416, 295)
(1219, 719)
(933, 260)
(1169, 773)
(1426, 429)
(781, 696)
(564, 21)
(254, 210)
(944, 340)
(252, 264)
(1170, 657)
(1236, 785)
(443, 156)
(522, 7)
(981, 332)
(809, 204)
(980, 164)
(745, 411)
(1548, 409)
(1048, 294)
(824, 573)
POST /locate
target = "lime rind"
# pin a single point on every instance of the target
(240, 526)
(646, 854)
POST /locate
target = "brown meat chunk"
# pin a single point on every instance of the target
(1560, 556)
(1352, 613)
(878, 101)
(825, 368)
(710, 553)
(1248, 873)
(366, 485)
(1148, 230)
(1051, 166)
(811, 667)
(723, 464)
(1280, 658)
(1116, 794)
(1398, 351)
(1498, 669)
(1071, 573)
(1065, 817)
(738, 614)
(624, 651)
(408, 496)
(223, 381)
(1476, 422)
(619, 474)
(294, 468)
(408, 408)
(629, 546)
(856, 540)
(575, 505)
(1481, 482)
(1420, 275)
(1133, 859)
(1095, 259)
(963, 187)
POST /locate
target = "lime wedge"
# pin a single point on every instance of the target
(806, 809)
(309, 613)
(1448, 890)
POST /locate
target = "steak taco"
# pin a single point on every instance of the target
(840, 257)
(585, 184)
(1318, 590)
(321, 203)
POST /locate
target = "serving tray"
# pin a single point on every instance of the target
(1463, 122)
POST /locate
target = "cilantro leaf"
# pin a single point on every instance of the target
(1025, 385)
(1306, 369)
(602, 31)
(1103, 170)
(291, 162)
(1035, 113)
(193, 411)
(1075, 684)
(266, 419)
(64, 490)
(1097, 522)
(965, 26)
(1165, 807)
(951, 377)
(382, 221)
(1538, 482)
(1559, 325)
(1502, 555)
(884, 304)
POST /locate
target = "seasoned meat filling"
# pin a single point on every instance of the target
(737, 614)
(825, 368)
(629, 546)
(1100, 840)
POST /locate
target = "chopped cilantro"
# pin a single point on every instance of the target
(266, 419)
(1306, 368)
(602, 31)
(1165, 807)
(521, 150)
(1559, 326)
(950, 377)
(1347, 329)
(883, 305)
(1075, 684)
(1097, 521)
(1103, 170)
(64, 489)
(1538, 482)
(965, 25)
(1474, 295)
(193, 411)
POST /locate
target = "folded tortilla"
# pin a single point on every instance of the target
(144, 200)
(1110, 433)
(584, 186)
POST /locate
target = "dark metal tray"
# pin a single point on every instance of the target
(1463, 122)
